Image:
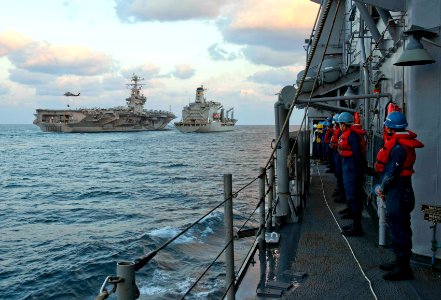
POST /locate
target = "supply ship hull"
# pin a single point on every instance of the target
(208, 127)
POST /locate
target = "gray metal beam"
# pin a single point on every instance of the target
(392, 5)
(364, 13)
(353, 97)
(329, 87)
(387, 19)
(331, 107)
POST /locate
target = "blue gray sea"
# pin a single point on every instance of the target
(73, 205)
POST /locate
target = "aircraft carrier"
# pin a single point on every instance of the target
(119, 119)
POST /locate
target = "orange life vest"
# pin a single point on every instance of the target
(334, 138)
(344, 149)
(328, 135)
(408, 140)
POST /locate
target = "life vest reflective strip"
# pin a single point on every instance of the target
(334, 138)
(328, 135)
(407, 139)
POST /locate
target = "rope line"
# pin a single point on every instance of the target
(141, 262)
(206, 270)
(346, 240)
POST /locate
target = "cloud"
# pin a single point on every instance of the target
(30, 78)
(280, 25)
(4, 90)
(11, 41)
(43, 57)
(217, 52)
(146, 70)
(279, 76)
(265, 56)
(183, 71)
(167, 10)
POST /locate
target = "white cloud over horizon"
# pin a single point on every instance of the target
(243, 50)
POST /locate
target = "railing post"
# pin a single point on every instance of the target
(271, 194)
(381, 207)
(229, 251)
(126, 289)
(262, 173)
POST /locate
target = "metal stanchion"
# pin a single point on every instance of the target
(229, 251)
(127, 289)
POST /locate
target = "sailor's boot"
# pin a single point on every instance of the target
(389, 266)
(355, 230)
(401, 272)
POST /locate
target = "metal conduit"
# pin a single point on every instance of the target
(355, 97)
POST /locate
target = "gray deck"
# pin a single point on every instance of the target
(319, 263)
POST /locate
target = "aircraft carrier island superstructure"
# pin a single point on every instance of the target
(205, 116)
(131, 118)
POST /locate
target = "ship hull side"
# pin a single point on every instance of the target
(204, 128)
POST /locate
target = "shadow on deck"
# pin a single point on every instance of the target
(314, 261)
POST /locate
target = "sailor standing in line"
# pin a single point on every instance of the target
(339, 192)
(395, 162)
(327, 139)
(350, 149)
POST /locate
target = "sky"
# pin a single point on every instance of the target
(242, 51)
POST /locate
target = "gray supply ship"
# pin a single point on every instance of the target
(205, 116)
(131, 118)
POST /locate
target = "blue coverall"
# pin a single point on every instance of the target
(400, 201)
(352, 170)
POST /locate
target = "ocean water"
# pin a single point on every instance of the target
(73, 205)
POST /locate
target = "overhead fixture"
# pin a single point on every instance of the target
(415, 54)
(349, 92)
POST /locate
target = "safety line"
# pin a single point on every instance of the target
(347, 242)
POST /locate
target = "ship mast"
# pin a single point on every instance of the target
(137, 99)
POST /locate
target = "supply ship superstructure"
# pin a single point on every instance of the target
(131, 118)
(205, 116)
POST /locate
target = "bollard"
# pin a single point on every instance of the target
(228, 223)
(126, 290)
(262, 205)
(271, 194)
(381, 207)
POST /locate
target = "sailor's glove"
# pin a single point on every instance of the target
(379, 192)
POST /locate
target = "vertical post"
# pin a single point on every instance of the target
(271, 193)
(262, 175)
(381, 207)
(282, 163)
(229, 251)
(126, 290)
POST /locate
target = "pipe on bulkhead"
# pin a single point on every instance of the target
(282, 150)
(365, 69)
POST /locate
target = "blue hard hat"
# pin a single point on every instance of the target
(329, 119)
(335, 118)
(396, 120)
(325, 123)
(345, 117)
